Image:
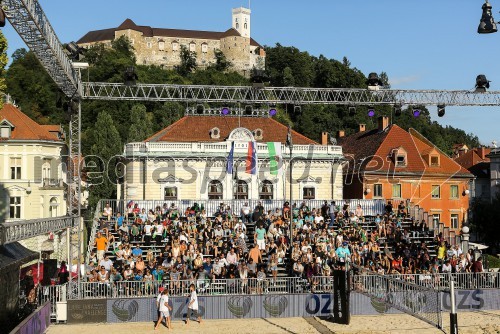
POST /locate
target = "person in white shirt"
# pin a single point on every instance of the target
(164, 308)
(193, 305)
(147, 233)
(246, 213)
(108, 211)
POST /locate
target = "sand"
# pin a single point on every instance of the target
(469, 322)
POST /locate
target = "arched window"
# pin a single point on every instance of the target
(215, 190)
(53, 208)
(241, 190)
(245, 26)
(266, 190)
(237, 25)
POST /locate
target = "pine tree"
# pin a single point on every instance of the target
(105, 149)
(141, 126)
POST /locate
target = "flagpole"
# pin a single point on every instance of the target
(289, 143)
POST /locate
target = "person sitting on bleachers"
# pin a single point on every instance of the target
(108, 212)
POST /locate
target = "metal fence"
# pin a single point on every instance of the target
(370, 207)
(209, 287)
(52, 294)
(441, 281)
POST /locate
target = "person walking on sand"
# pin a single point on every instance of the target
(193, 305)
(164, 309)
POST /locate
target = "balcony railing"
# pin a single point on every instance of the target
(25, 229)
(52, 183)
(223, 148)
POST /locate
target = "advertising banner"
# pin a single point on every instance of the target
(86, 311)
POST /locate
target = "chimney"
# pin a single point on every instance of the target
(482, 152)
(324, 138)
(383, 123)
(341, 134)
(362, 127)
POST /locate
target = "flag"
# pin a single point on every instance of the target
(274, 149)
(229, 162)
(251, 161)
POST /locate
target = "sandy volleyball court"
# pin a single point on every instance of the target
(469, 322)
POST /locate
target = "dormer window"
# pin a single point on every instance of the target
(400, 157)
(6, 129)
(434, 160)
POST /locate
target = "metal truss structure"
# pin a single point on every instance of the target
(15, 231)
(29, 20)
(285, 95)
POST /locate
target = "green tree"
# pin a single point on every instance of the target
(188, 61)
(3, 63)
(221, 62)
(33, 89)
(288, 79)
(141, 125)
(106, 145)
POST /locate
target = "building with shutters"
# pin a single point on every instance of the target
(188, 161)
(32, 167)
(397, 165)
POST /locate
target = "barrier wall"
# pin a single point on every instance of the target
(36, 323)
(466, 300)
(212, 307)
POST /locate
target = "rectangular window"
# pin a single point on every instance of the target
(454, 220)
(396, 191)
(15, 168)
(436, 192)
(149, 45)
(15, 207)
(170, 194)
(308, 193)
(436, 218)
(401, 160)
(435, 161)
(161, 46)
(192, 47)
(377, 190)
(454, 191)
(204, 48)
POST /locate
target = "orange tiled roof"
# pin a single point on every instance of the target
(378, 147)
(472, 158)
(24, 127)
(197, 129)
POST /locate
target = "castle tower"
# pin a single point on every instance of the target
(241, 21)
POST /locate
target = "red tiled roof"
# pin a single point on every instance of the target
(24, 127)
(109, 34)
(378, 147)
(361, 145)
(472, 157)
(197, 129)
(446, 164)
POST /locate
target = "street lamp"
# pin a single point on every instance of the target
(487, 24)
(465, 239)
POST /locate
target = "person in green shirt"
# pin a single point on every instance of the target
(260, 234)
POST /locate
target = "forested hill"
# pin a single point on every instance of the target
(37, 95)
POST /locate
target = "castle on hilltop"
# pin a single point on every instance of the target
(160, 46)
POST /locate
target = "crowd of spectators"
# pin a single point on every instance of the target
(189, 245)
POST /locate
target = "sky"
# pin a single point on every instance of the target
(424, 44)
